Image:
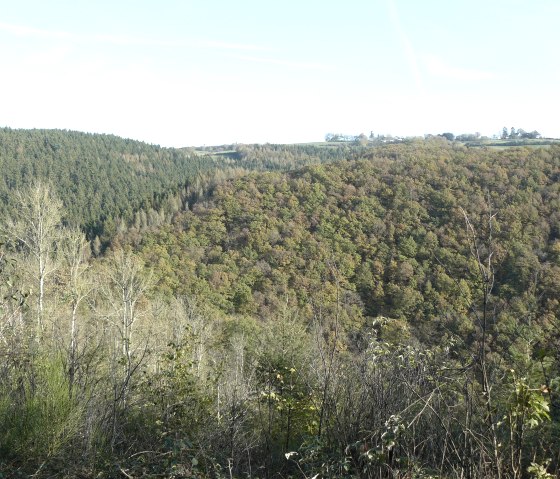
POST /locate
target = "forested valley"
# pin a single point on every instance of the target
(277, 311)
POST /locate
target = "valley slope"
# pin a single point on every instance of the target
(390, 314)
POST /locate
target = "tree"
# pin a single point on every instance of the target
(35, 229)
(127, 283)
(482, 252)
(361, 139)
(504, 133)
(449, 136)
(75, 250)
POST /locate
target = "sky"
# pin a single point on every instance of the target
(209, 72)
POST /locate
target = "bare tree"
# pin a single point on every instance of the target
(123, 285)
(126, 286)
(74, 251)
(482, 250)
(34, 228)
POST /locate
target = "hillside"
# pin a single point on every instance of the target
(98, 177)
(430, 246)
(393, 314)
(105, 182)
(388, 230)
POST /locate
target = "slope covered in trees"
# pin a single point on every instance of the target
(106, 182)
(98, 177)
(437, 245)
(392, 226)
(393, 315)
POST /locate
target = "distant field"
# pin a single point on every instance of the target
(502, 144)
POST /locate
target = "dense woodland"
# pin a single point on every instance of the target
(107, 183)
(381, 312)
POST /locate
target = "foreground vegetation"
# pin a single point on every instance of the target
(393, 315)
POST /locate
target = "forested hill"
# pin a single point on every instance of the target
(107, 183)
(388, 230)
(98, 177)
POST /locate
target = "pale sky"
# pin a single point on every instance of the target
(208, 72)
